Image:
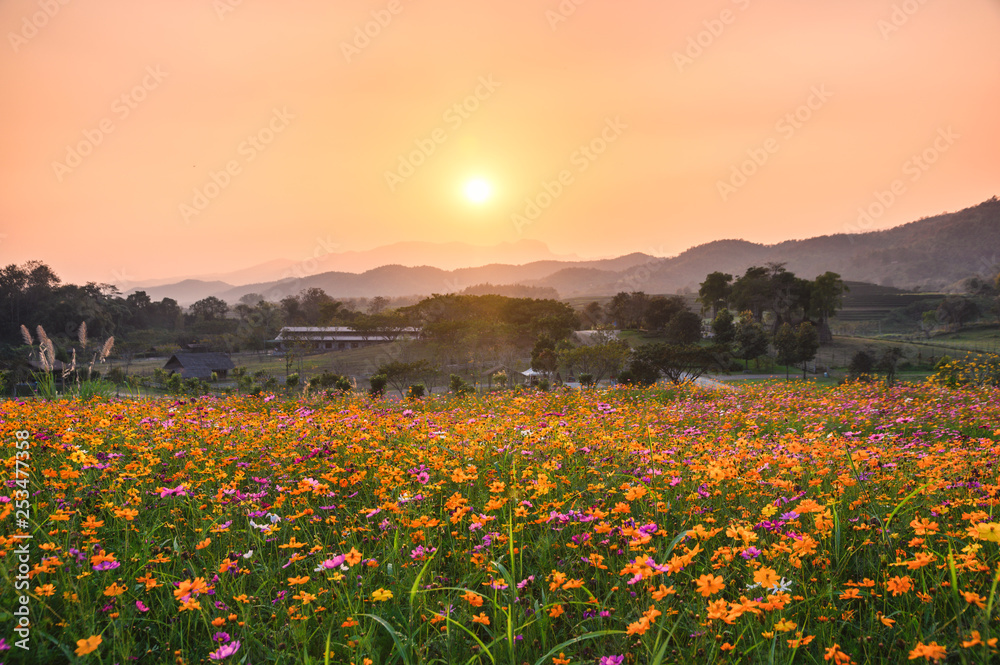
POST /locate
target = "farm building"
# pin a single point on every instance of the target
(199, 365)
(337, 338)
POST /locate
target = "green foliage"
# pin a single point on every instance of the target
(641, 372)
(400, 374)
(684, 327)
(376, 385)
(786, 346)
(750, 338)
(723, 327)
(543, 356)
(679, 363)
(806, 344)
(715, 291)
(45, 385)
(116, 375)
(292, 380)
(95, 388)
(887, 363)
(980, 372)
(416, 391)
(586, 379)
(459, 386)
(598, 361)
(862, 365)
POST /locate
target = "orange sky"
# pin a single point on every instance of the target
(119, 116)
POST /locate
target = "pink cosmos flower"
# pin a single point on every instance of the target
(225, 651)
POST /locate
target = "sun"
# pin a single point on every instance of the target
(478, 190)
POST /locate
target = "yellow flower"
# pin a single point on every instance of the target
(785, 625)
(83, 647)
(989, 531)
(381, 594)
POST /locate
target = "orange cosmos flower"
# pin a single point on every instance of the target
(709, 584)
(836, 655)
(766, 577)
(932, 651)
(899, 585)
(83, 647)
(473, 599)
(115, 590)
(353, 557)
(663, 592)
(482, 618)
(92, 523)
(128, 514)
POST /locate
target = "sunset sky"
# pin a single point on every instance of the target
(155, 139)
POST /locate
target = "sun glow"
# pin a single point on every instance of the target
(478, 190)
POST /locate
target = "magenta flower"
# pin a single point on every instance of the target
(225, 651)
(612, 660)
(141, 606)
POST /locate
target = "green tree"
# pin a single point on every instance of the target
(887, 363)
(401, 374)
(714, 292)
(956, 311)
(543, 356)
(750, 339)
(825, 299)
(660, 311)
(806, 344)
(210, 309)
(723, 327)
(786, 345)
(862, 365)
(628, 310)
(684, 328)
(597, 360)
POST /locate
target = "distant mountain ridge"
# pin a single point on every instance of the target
(928, 254)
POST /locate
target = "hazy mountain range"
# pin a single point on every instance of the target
(929, 254)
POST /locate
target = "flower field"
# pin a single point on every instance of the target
(766, 524)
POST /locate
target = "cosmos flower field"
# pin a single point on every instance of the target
(765, 524)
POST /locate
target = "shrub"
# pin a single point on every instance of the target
(457, 384)
(377, 385)
(116, 375)
(416, 391)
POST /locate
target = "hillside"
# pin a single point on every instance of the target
(925, 255)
